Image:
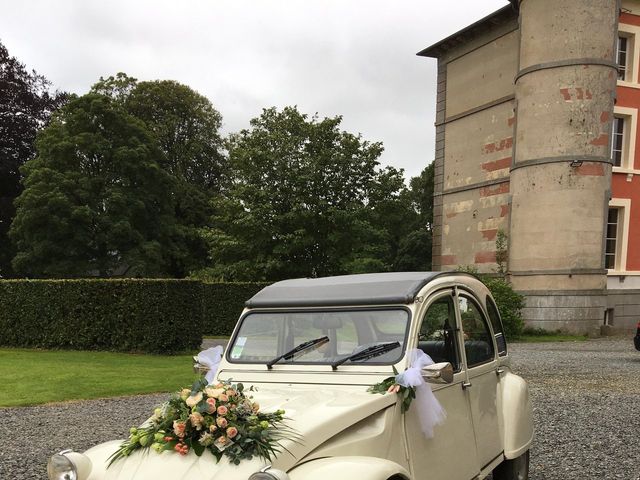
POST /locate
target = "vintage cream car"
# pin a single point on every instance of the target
(371, 321)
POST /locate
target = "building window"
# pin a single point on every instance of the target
(612, 240)
(622, 50)
(617, 145)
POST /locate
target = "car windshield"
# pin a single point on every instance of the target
(264, 336)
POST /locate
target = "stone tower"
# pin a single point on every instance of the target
(561, 171)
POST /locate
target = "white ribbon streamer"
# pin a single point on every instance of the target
(430, 412)
(210, 358)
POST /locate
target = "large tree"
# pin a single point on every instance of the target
(305, 200)
(414, 246)
(95, 201)
(26, 104)
(186, 127)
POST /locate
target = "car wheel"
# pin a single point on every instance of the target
(516, 469)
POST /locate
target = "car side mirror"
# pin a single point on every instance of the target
(438, 373)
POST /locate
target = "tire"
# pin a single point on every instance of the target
(516, 469)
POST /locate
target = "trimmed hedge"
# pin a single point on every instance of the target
(125, 315)
(128, 315)
(223, 304)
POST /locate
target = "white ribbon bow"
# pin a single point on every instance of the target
(430, 412)
(210, 358)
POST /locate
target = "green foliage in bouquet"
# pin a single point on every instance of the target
(391, 385)
(219, 418)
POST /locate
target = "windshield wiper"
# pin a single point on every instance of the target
(367, 353)
(302, 348)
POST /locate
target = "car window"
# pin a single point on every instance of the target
(263, 336)
(437, 337)
(478, 344)
(496, 324)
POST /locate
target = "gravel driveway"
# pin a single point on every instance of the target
(586, 398)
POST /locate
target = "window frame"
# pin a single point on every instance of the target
(463, 292)
(491, 306)
(623, 67)
(450, 293)
(623, 206)
(630, 32)
(629, 118)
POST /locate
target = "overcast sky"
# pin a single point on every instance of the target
(354, 58)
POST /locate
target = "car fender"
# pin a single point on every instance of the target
(337, 468)
(517, 415)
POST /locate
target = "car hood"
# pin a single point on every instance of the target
(315, 412)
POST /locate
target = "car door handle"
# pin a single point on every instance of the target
(466, 385)
(499, 371)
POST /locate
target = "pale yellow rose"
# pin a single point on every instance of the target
(193, 400)
(185, 393)
(213, 392)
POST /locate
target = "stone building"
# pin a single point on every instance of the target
(536, 134)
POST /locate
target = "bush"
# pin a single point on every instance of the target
(510, 304)
(156, 316)
(223, 303)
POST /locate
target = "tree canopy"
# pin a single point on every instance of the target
(186, 128)
(26, 104)
(305, 199)
(95, 198)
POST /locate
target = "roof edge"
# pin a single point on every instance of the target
(505, 13)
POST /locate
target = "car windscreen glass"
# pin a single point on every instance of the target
(263, 336)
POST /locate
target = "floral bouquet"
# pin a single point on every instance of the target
(220, 418)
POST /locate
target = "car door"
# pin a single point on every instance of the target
(451, 453)
(482, 371)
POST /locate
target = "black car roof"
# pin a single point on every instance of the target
(364, 289)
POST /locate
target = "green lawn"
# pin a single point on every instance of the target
(31, 377)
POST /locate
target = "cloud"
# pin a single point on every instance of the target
(354, 58)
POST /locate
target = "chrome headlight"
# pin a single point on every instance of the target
(60, 467)
(269, 473)
(68, 465)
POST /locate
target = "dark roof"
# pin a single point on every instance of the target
(505, 14)
(365, 289)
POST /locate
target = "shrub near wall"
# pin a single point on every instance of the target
(157, 316)
(223, 304)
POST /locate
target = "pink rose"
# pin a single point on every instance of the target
(211, 405)
(221, 422)
(196, 420)
(223, 398)
(232, 432)
(179, 428)
(222, 440)
(395, 388)
(231, 393)
(222, 410)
